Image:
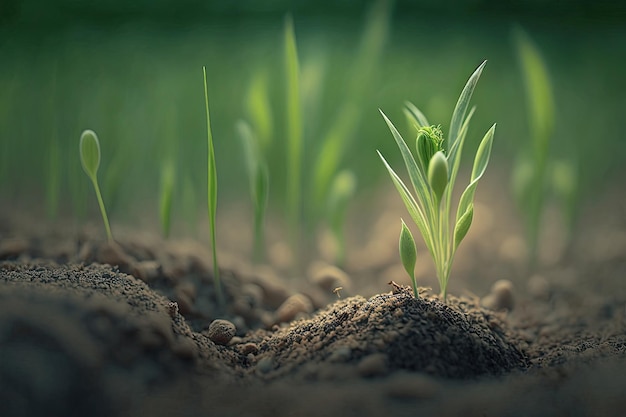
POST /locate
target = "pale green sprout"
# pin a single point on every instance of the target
(341, 192)
(258, 176)
(294, 135)
(259, 109)
(434, 176)
(408, 254)
(89, 148)
(529, 175)
(212, 195)
(342, 129)
(534, 172)
(168, 179)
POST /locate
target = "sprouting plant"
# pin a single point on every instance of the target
(341, 191)
(259, 109)
(533, 173)
(258, 176)
(89, 148)
(212, 194)
(433, 176)
(408, 254)
(294, 134)
(529, 176)
(342, 129)
(168, 178)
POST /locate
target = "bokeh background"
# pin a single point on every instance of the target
(132, 71)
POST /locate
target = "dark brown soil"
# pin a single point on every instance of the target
(78, 337)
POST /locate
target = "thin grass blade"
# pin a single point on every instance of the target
(458, 116)
(413, 208)
(419, 181)
(480, 165)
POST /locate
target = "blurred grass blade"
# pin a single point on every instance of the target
(168, 179)
(350, 113)
(294, 135)
(259, 108)
(258, 177)
(538, 92)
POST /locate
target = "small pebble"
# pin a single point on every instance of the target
(265, 364)
(373, 365)
(403, 385)
(539, 288)
(294, 305)
(329, 277)
(221, 331)
(501, 296)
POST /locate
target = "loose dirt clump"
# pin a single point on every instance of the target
(390, 332)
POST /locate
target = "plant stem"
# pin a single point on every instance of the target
(102, 210)
(212, 196)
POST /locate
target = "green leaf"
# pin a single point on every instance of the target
(413, 208)
(168, 178)
(538, 91)
(418, 178)
(462, 225)
(480, 165)
(259, 108)
(212, 195)
(408, 254)
(89, 147)
(416, 115)
(458, 116)
(294, 132)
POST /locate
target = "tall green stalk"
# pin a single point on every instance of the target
(212, 195)
(530, 174)
(294, 136)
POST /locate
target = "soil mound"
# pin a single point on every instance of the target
(390, 332)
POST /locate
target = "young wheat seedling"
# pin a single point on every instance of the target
(433, 176)
(212, 195)
(89, 148)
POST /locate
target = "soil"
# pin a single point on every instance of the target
(92, 328)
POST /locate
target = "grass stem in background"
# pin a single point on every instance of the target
(258, 177)
(529, 177)
(349, 113)
(212, 195)
(341, 191)
(89, 148)
(168, 179)
(294, 137)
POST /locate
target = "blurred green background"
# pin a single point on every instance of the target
(132, 71)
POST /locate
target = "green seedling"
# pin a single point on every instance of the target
(341, 192)
(433, 176)
(408, 254)
(258, 176)
(89, 148)
(530, 173)
(212, 194)
(294, 135)
(168, 179)
(259, 109)
(342, 129)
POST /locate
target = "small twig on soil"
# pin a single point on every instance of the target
(336, 291)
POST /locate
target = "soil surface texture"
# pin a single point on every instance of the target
(94, 328)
